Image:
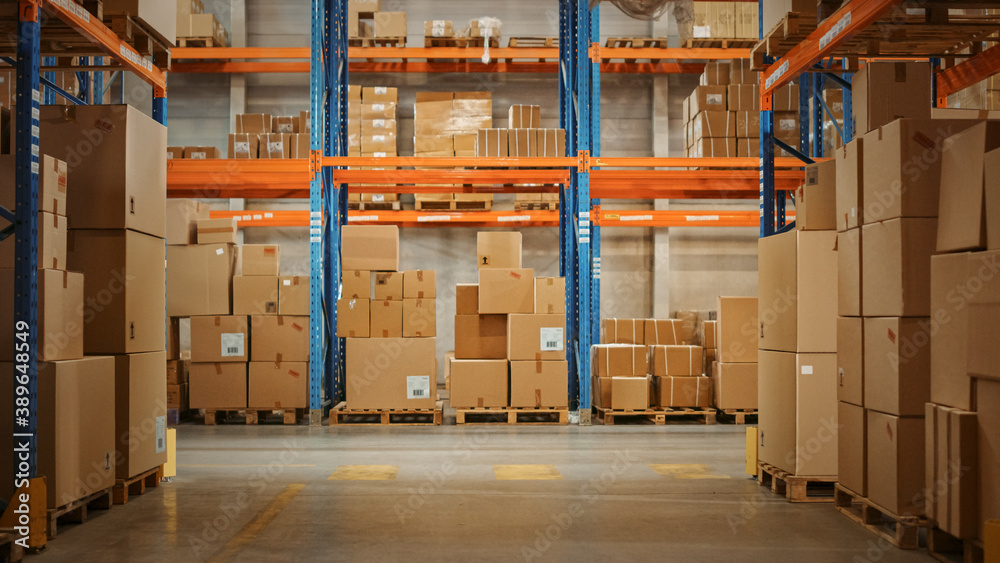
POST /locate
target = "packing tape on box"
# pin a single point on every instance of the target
(297, 327)
(218, 321)
(281, 321)
(385, 334)
(65, 280)
(538, 363)
(671, 391)
(218, 369)
(538, 398)
(479, 402)
(277, 360)
(294, 373)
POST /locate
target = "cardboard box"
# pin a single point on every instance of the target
(851, 360)
(386, 319)
(744, 98)
(798, 412)
(708, 98)
(364, 6)
(747, 125)
(177, 396)
(255, 295)
(52, 181)
(76, 438)
(279, 339)
(522, 143)
(536, 337)
(786, 99)
(467, 299)
(623, 331)
(630, 393)
(680, 361)
(217, 231)
(300, 146)
(177, 372)
(951, 278)
(243, 146)
(706, 334)
(896, 260)
(850, 184)
(715, 74)
(798, 292)
(734, 386)
(390, 24)
(492, 142)
(357, 284)
(51, 244)
(294, 297)
(391, 373)
(388, 286)
(503, 291)
(550, 142)
(683, 391)
(740, 71)
(816, 201)
(988, 396)
(894, 185)
(963, 493)
(714, 148)
(278, 385)
(353, 318)
(219, 339)
(260, 259)
(182, 220)
(619, 360)
(887, 91)
(273, 145)
(539, 384)
(737, 329)
(439, 28)
(419, 318)
(550, 296)
(253, 123)
(479, 383)
(896, 463)
(140, 413)
(714, 124)
(897, 365)
(601, 392)
(370, 247)
(218, 386)
(124, 176)
(419, 284)
(852, 450)
(480, 337)
(498, 250)
(201, 153)
(849, 273)
(283, 124)
(662, 332)
(199, 279)
(962, 211)
(991, 167)
(128, 266)
(524, 117)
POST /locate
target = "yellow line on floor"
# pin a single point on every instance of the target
(282, 465)
(526, 473)
(365, 473)
(686, 471)
(250, 532)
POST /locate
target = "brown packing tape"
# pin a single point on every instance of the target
(218, 369)
(538, 358)
(420, 275)
(55, 263)
(281, 321)
(385, 334)
(420, 294)
(550, 281)
(65, 280)
(538, 366)
(277, 360)
(295, 280)
(479, 402)
(538, 398)
(352, 334)
(387, 303)
(277, 404)
(984, 114)
(270, 250)
(294, 373)
(218, 321)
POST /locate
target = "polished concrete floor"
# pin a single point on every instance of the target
(643, 493)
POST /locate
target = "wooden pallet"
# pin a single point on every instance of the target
(76, 511)
(719, 43)
(793, 487)
(636, 43)
(949, 549)
(901, 531)
(461, 42)
(376, 42)
(536, 206)
(513, 415)
(373, 206)
(197, 42)
(136, 33)
(736, 416)
(136, 486)
(341, 415)
(532, 42)
(10, 552)
(252, 416)
(435, 205)
(656, 416)
(789, 32)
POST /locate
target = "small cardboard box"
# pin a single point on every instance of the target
(849, 273)
(294, 297)
(60, 316)
(253, 123)
(524, 117)
(505, 291)
(897, 365)
(850, 185)
(390, 24)
(217, 231)
(716, 74)
(550, 296)
(536, 337)
(479, 383)
(816, 203)
(623, 331)
(419, 318)
(851, 360)
(706, 334)
(140, 402)
(439, 28)
(852, 450)
(353, 318)
(388, 286)
(218, 386)
(887, 91)
(492, 142)
(52, 236)
(182, 220)
(357, 284)
(278, 385)
(662, 332)
(522, 142)
(539, 384)
(273, 145)
(467, 299)
(52, 180)
(279, 339)
(199, 279)
(499, 250)
(177, 396)
(630, 393)
(255, 295)
(734, 385)
(480, 337)
(391, 373)
(260, 259)
(243, 146)
(619, 360)
(370, 247)
(201, 153)
(177, 372)
(683, 391)
(896, 463)
(681, 361)
(737, 330)
(220, 339)
(896, 260)
(962, 220)
(283, 124)
(708, 98)
(714, 125)
(550, 143)
(386, 318)
(419, 284)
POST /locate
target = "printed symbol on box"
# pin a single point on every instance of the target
(714, 99)
(161, 434)
(241, 147)
(275, 147)
(418, 386)
(233, 345)
(551, 339)
(378, 198)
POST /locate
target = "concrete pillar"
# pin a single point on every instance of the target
(661, 148)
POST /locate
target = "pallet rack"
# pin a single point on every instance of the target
(34, 18)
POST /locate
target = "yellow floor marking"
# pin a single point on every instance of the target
(526, 472)
(170, 502)
(365, 473)
(302, 465)
(686, 471)
(250, 532)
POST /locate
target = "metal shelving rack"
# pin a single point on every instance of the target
(24, 217)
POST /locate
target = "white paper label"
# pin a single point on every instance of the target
(241, 147)
(199, 155)
(786, 124)
(551, 339)
(170, 156)
(233, 345)
(219, 251)
(378, 138)
(378, 198)
(378, 154)
(286, 128)
(161, 434)
(713, 99)
(807, 370)
(378, 123)
(286, 282)
(378, 107)
(276, 147)
(702, 31)
(418, 387)
(381, 90)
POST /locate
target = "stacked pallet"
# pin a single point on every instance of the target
(372, 127)
(724, 24)
(368, 25)
(195, 28)
(734, 373)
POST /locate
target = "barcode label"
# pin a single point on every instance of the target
(418, 386)
(551, 339)
(161, 434)
(233, 345)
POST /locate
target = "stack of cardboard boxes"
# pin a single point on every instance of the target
(707, 337)
(371, 130)
(510, 333)
(389, 318)
(725, 20)
(265, 136)
(734, 374)
(365, 19)
(194, 23)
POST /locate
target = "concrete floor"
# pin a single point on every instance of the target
(264, 493)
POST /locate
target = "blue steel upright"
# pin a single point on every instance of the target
(568, 120)
(581, 220)
(317, 334)
(767, 199)
(595, 151)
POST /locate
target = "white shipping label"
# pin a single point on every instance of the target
(378, 107)
(378, 198)
(219, 251)
(378, 123)
(286, 128)
(276, 147)
(702, 31)
(161, 434)
(378, 138)
(807, 370)
(286, 282)
(713, 99)
(418, 387)
(199, 155)
(786, 124)
(551, 339)
(381, 90)
(233, 345)
(241, 147)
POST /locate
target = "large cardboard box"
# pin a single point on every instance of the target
(734, 386)
(991, 166)
(963, 452)
(737, 330)
(479, 383)
(852, 454)
(253, 123)
(816, 204)
(158, 16)
(536, 337)
(419, 284)
(798, 412)
(678, 361)
(988, 397)
(849, 273)
(708, 98)
(255, 295)
(623, 331)
(76, 434)
(683, 391)
(182, 220)
(243, 146)
(278, 385)
(887, 91)
(630, 393)
(504, 291)
(499, 250)
(218, 386)
(51, 244)
(850, 184)
(896, 463)
(357, 284)
(895, 184)
(353, 318)
(260, 259)
(52, 180)
(419, 318)
(294, 297)
(851, 360)
(467, 299)
(218, 231)
(220, 339)
(539, 384)
(388, 286)
(279, 339)
(115, 157)
(524, 117)
(619, 360)
(714, 124)
(370, 247)
(480, 337)
(200, 279)
(897, 365)
(140, 412)
(550, 296)
(386, 319)
(390, 24)
(896, 260)
(177, 396)
(391, 373)
(666, 332)
(954, 277)
(60, 316)
(962, 210)
(492, 142)
(123, 285)
(798, 292)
